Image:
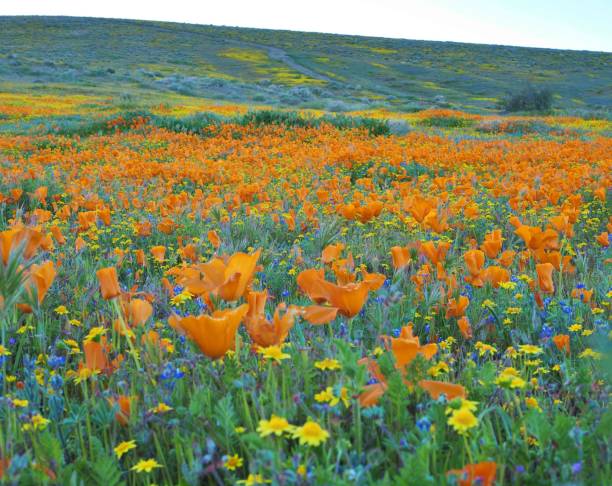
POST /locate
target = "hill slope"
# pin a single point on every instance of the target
(333, 72)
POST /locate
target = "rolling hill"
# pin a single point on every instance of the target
(283, 68)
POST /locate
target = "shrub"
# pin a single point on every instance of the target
(201, 123)
(529, 99)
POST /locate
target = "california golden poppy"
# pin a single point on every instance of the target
(492, 243)
(159, 253)
(349, 298)
(603, 239)
(42, 275)
(214, 334)
(214, 239)
(406, 347)
(435, 252)
(464, 326)
(331, 252)
(494, 275)
(371, 394)
(545, 280)
(481, 474)
(400, 257)
(437, 388)
(123, 404)
(319, 314)
(582, 294)
(474, 260)
(238, 274)
(138, 311)
(95, 355)
(229, 280)
(13, 238)
(263, 332)
(109, 284)
(562, 342)
(457, 307)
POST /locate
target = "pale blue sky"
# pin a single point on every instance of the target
(563, 24)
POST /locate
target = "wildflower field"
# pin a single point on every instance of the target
(266, 297)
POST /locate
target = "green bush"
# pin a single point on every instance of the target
(529, 99)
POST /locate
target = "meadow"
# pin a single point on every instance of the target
(202, 291)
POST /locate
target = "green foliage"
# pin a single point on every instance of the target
(529, 99)
(103, 471)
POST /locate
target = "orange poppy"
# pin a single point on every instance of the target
(420, 207)
(331, 252)
(229, 280)
(138, 311)
(105, 216)
(400, 256)
(545, 280)
(506, 258)
(166, 226)
(435, 253)
(371, 394)
(79, 244)
(57, 234)
(481, 474)
(214, 334)
(140, 257)
(582, 294)
(86, 219)
(189, 252)
(349, 299)
(214, 239)
(562, 341)
(562, 224)
(109, 284)
(263, 332)
(437, 388)
(159, 253)
(319, 314)
(603, 239)
(406, 346)
(124, 408)
(494, 275)
(40, 194)
(492, 243)
(144, 228)
(95, 355)
(238, 274)
(344, 270)
(435, 222)
(535, 238)
(11, 239)
(457, 307)
(474, 260)
(42, 275)
(465, 327)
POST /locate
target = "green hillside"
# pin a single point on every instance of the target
(332, 72)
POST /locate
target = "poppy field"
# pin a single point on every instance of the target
(293, 298)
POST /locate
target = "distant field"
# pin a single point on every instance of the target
(335, 73)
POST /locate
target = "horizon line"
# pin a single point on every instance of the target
(304, 32)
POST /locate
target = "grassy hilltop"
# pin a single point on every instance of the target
(282, 68)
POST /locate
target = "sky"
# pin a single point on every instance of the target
(561, 24)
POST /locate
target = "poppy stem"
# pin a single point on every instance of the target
(467, 448)
(126, 331)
